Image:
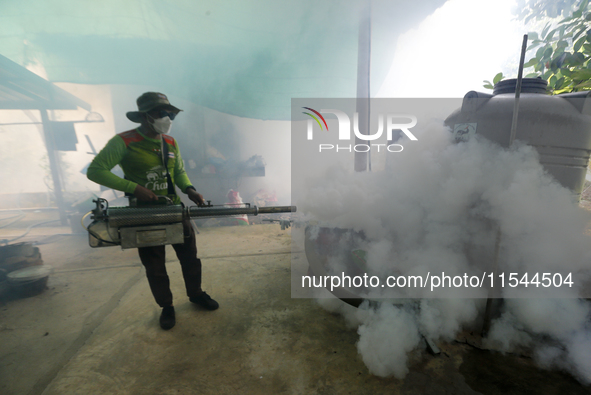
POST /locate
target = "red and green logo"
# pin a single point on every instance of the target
(316, 119)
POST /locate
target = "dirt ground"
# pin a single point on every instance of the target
(95, 330)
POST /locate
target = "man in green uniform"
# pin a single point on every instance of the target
(152, 164)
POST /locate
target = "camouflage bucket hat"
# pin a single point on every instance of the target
(149, 101)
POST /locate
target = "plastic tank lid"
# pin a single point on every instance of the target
(528, 85)
(30, 273)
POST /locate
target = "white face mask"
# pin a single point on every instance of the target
(162, 125)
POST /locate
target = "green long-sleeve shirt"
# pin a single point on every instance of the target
(140, 158)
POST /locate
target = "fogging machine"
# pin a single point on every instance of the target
(146, 226)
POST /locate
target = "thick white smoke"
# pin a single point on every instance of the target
(438, 205)
(557, 329)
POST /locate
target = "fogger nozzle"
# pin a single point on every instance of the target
(195, 211)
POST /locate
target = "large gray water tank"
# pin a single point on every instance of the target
(559, 126)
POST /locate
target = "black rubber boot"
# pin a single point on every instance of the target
(205, 301)
(167, 318)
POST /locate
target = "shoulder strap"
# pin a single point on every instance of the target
(169, 139)
(164, 150)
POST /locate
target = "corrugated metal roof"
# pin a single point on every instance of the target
(21, 89)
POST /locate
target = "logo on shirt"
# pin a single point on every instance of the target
(156, 177)
(152, 176)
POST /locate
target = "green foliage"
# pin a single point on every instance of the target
(527, 10)
(563, 45)
(497, 78)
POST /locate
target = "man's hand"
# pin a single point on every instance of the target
(144, 194)
(196, 197)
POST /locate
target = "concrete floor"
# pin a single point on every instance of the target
(95, 331)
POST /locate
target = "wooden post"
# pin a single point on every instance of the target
(53, 165)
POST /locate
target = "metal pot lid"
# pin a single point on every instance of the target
(30, 273)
